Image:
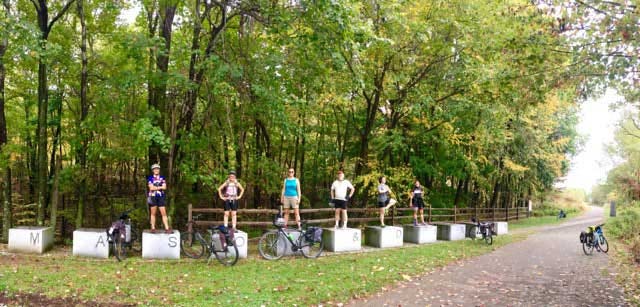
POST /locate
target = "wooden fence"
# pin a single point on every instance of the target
(264, 217)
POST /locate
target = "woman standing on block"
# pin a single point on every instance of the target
(291, 196)
(417, 203)
(229, 193)
(156, 198)
(339, 197)
(384, 198)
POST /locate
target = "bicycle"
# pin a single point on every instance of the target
(194, 245)
(272, 244)
(592, 239)
(484, 229)
(123, 235)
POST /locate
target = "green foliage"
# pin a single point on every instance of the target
(625, 225)
(468, 97)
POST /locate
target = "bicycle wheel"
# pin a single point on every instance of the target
(119, 247)
(191, 245)
(489, 239)
(604, 245)
(587, 247)
(228, 255)
(310, 249)
(472, 232)
(136, 240)
(269, 246)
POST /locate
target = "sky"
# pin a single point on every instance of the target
(597, 126)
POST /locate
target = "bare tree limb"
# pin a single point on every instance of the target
(60, 14)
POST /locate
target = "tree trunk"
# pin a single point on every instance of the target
(45, 25)
(84, 112)
(158, 92)
(6, 204)
(55, 197)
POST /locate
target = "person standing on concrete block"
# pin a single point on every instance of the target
(157, 199)
(340, 198)
(230, 192)
(417, 203)
(291, 196)
(384, 198)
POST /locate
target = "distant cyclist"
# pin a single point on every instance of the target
(230, 192)
(157, 199)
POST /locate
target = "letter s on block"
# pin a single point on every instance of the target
(173, 241)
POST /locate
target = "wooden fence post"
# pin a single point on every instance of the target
(393, 216)
(429, 213)
(517, 213)
(455, 214)
(493, 213)
(506, 213)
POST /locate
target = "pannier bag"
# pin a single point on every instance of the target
(314, 234)
(225, 235)
(583, 237)
(117, 227)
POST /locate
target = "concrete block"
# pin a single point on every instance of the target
(27, 239)
(160, 245)
(420, 234)
(502, 228)
(450, 232)
(389, 236)
(91, 242)
(342, 240)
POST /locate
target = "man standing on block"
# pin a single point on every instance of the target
(229, 193)
(341, 198)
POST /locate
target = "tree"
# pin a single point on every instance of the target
(45, 26)
(6, 187)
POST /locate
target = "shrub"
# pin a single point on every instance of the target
(626, 225)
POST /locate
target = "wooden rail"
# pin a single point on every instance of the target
(454, 215)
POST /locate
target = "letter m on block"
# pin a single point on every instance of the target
(34, 238)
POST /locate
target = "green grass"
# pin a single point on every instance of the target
(538, 221)
(251, 282)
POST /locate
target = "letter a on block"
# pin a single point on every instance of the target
(34, 239)
(100, 241)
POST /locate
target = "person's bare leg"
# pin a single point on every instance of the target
(226, 219)
(165, 220)
(422, 216)
(382, 216)
(286, 216)
(344, 218)
(296, 212)
(338, 217)
(152, 218)
(234, 218)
